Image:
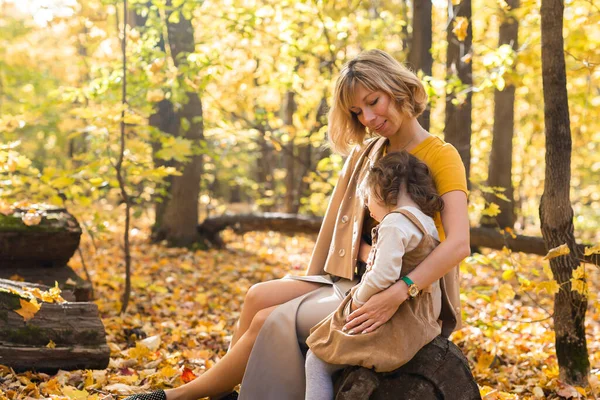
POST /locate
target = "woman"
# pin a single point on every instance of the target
(374, 96)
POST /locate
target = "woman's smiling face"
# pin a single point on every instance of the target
(372, 110)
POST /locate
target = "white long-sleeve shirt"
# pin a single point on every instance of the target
(397, 235)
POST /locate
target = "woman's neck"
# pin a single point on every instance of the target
(410, 134)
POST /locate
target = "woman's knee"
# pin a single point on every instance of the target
(256, 298)
(259, 320)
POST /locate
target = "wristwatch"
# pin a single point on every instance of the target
(413, 289)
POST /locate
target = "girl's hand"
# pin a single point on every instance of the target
(377, 310)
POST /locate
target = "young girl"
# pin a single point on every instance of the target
(400, 193)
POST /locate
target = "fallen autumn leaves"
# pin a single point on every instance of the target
(184, 305)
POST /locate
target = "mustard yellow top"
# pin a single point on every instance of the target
(447, 169)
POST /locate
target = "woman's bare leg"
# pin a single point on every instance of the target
(267, 294)
(261, 300)
(229, 371)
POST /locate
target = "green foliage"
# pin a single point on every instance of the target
(60, 94)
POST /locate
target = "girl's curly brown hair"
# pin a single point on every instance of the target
(386, 176)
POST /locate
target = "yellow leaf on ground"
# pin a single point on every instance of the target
(51, 345)
(561, 250)
(508, 274)
(28, 309)
(74, 394)
(50, 387)
(484, 361)
(168, 372)
(139, 352)
(158, 289)
(89, 379)
(201, 299)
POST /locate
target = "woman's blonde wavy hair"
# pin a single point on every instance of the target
(376, 70)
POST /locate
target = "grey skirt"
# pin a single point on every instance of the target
(275, 369)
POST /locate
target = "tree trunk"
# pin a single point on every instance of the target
(166, 120)
(500, 168)
(289, 107)
(179, 214)
(419, 56)
(264, 170)
(458, 116)
(556, 214)
(306, 153)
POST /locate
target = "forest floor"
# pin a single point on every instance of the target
(184, 305)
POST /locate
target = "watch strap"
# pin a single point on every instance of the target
(407, 280)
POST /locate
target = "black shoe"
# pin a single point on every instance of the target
(156, 395)
(231, 396)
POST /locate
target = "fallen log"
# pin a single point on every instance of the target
(67, 279)
(438, 371)
(51, 242)
(210, 229)
(64, 336)
(492, 238)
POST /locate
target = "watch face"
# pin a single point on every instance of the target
(413, 290)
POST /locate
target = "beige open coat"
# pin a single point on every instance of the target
(275, 370)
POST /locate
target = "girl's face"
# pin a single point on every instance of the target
(377, 209)
(372, 110)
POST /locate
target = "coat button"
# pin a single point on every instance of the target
(342, 252)
(345, 219)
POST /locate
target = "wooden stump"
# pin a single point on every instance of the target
(438, 371)
(50, 243)
(39, 253)
(75, 329)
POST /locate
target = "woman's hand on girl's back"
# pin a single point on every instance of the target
(377, 310)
